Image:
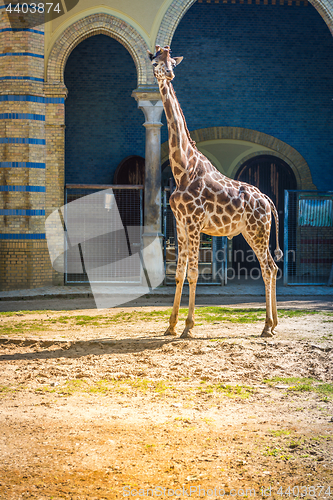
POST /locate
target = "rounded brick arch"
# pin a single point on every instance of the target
(99, 24)
(276, 148)
(178, 8)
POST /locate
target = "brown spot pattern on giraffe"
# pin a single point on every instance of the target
(190, 207)
(187, 197)
(229, 209)
(222, 198)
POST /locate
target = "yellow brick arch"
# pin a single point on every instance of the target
(267, 145)
(178, 8)
(99, 24)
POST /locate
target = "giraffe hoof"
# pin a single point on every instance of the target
(266, 333)
(170, 332)
(186, 335)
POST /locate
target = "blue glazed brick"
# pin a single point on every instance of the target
(22, 236)
(31, 54)
(21, 164)
(21, 140)
(21, 116)
(17, 211)
(28, 189)
(31, 98)
(261, 67)
(103, 123)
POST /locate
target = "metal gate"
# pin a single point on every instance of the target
(97, 247)
(308, 238)
(212, 251)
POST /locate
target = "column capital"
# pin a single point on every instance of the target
(147, 93)
(57, 89)
(149, 101)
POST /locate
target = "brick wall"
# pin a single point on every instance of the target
(24, 259)
(103, 124)
(262, 67)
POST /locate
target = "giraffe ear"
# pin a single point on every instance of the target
(158, 48)
(150, 55)
(178, 60)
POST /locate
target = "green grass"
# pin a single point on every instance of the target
(4, 389)
(230, 391)
(9, 314)
(300, 384)
(105, 387)
(161, 388)
(203, 315)
(280, 433)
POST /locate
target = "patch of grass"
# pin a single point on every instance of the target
(300, 384)
(100, 387)
(279, 433)
(278, 453)
(105, 387)
(294, 313)
(294, 444)
(213, 314)
(73, 386)
(272, 452)
(5, 389)
(9, 314)
(230, 391)
(220, 314)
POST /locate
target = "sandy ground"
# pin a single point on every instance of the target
(109, 410)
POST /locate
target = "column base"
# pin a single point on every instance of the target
(24, 264)
(153, 257)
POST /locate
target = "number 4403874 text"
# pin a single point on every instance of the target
(33, 8)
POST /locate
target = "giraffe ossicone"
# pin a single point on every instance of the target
(206, 201)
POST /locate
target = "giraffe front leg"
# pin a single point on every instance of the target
(180, 276)
(192, 276)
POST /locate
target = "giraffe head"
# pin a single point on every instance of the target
(163, 63)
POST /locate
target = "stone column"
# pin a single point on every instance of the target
(149, 101)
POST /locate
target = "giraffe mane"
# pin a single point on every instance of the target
(192, 142)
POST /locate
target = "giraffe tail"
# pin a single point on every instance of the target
(278, 252)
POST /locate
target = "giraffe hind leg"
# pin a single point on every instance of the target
(261, 250)
(274, 269)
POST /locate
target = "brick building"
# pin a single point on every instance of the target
(256, 82)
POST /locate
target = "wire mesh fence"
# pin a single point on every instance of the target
(101, 243)
(308, 238)
(212, 252)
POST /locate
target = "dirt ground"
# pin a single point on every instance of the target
(100, 405)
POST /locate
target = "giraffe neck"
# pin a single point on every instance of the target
(181, 146)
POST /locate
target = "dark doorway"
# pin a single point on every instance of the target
(131, 170)
(272, 176)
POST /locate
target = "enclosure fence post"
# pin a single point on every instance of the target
(286, 218)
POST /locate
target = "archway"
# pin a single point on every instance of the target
(272, 176)
(100, 116)
(178, 8)
(131, 170)
(246, 144)
(96, 24)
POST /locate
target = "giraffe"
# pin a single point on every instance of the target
(205, 201)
